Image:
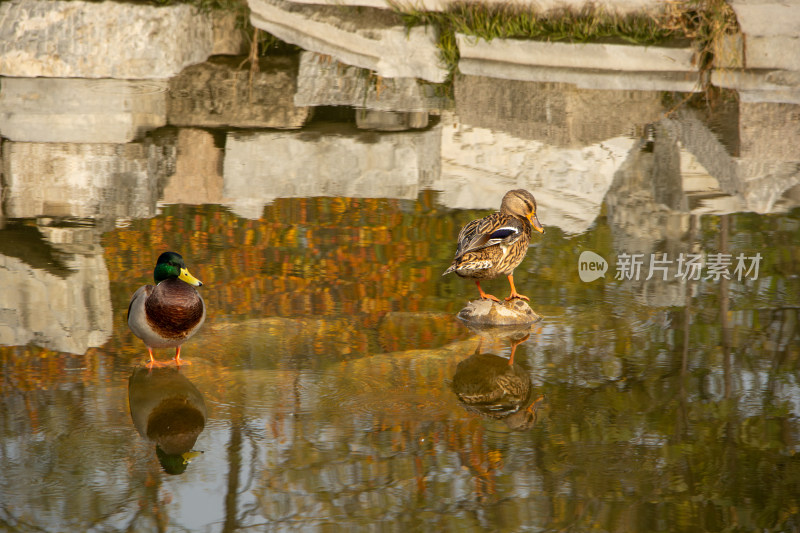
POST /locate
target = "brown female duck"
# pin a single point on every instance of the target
(496, 244)
(167, 315)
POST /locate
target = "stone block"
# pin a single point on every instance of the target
(728, 51)
(772, 52)
(367, 119)
(374, 39)
(198, 170)
(80, 111)
(323, 81)
(218, 93)
(327, 160)
(769, 131)
(80, 39)
(229, 38)
(555, 113)
(98, 180)
(767, 17)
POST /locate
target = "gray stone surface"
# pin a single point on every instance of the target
(488, 313)
(97, 180)
(65, 39)
(368, 38)
(323, 81)
(334, 160)
(218, 93)
(771, 33)
(367, 119)
(65, 308)
(80, 110)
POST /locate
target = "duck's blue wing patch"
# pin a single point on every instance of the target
(502, 233)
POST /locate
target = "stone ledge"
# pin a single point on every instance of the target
(362, 37)
(616, 57)
(585, 78)
(777, 86)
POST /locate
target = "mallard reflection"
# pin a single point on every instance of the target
(167, 409)
(495, 387)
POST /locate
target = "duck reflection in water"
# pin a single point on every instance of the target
(498, 388)
(167, 409)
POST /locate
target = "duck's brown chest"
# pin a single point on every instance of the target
(174, 309)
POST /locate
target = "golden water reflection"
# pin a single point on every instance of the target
(330, 366)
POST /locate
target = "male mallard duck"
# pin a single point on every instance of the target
(496, 244)
(166, 315)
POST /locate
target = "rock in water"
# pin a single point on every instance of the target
(487, 312)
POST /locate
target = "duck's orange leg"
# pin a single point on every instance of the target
(178, 360)
(152, 363)
(514, 293)
(484, 295)
(514, 345)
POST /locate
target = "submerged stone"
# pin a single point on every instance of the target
(489, 313)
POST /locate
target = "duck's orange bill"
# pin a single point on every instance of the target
(536, 224)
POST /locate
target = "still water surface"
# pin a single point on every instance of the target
(327, 390)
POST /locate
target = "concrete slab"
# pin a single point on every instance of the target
(80, 110)
(615, 57)
(585, 78)
(71, 39)
(368, 38)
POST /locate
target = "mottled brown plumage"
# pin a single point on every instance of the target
(496, 244)
(489, 386)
